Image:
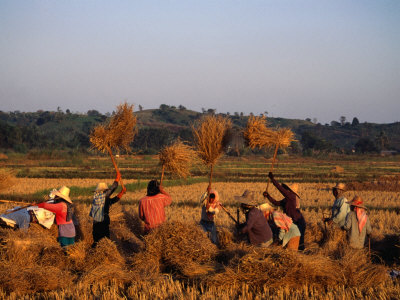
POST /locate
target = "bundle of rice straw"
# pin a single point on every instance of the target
(211, 137)
(257, 134)
(7, 179)
(118, 133)
(182, 249)
(284, 137)
(177, 159)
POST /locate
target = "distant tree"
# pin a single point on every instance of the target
(251, 114)
(203, 110)
(140, 107)
(236, 114)
(164, 107)
(68, 111)
(173, 107)
(241, 114)
(93, 113)
(211, 111)
(308, 119)
(228, 113)
(181, 107)
(335, 123)
(355, 122)
(342, 120)
(382, 140)
(365, 145)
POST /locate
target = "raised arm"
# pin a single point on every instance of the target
(286, 193)
(167, 199)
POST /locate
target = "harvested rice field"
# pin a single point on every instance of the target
(178, 261)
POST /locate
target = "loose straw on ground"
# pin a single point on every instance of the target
(117, 134)
(176, 159)
(211, 137)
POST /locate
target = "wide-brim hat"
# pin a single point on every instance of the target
(340, 186)
(247, 198)
(357, 201)
(63, 193)
(101, 186)
(293, 188)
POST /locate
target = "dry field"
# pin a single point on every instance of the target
(179, 262)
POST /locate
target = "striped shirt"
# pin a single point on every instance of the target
(151, 210)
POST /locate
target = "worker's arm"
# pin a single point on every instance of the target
(347, 224)
(167, 199)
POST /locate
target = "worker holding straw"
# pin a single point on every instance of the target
(101, 206)
(63, 209)
(210, 208)
(152, 206)
(256, 227)
(357, 223)
(290, 204)
(340, 207)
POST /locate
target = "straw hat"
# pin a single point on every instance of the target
(340, 186)
(265, 207)
(248, 198)
(357, 201)
(294, 188)
(63, 192)
(101, 187)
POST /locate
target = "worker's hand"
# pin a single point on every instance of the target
(270, 175)
(265, 194)
(118, 177)
(121, 193)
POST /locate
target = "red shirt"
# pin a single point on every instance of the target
(151, 210)
(60, 209)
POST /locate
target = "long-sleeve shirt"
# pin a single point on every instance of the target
(152, 209)
(356, 238)
(110, 201)
(340, 209)
(65, 228)
(288, 203)
(257, 227)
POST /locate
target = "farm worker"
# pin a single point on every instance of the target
(101, 207)
(290, 204)
(62, 207)
(282, 226)
(357, 223)
(210, 201)
(340, 207)
(256, 227)
(21, 218)
(152, 206)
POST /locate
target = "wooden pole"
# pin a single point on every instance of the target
(211, 173)
(115, 164)
(272, 165)
(162, 174)
(229, 214)
(10, 201)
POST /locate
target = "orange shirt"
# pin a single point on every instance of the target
(151, 210)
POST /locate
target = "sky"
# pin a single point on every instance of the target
(294, 59)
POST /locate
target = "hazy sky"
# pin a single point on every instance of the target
(294, 59)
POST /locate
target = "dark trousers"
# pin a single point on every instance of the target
(101, 230)
(209, 228)
(301, 223)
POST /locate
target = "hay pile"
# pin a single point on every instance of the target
(181, 249)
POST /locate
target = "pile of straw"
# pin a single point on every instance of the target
(183, 250)
(211, 137)
(177, 159)
(118, 133)
(257, 134)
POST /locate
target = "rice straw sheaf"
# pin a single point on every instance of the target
(7, 179)
(257, 134)
(284, 137)
(118, 133)
(211, 137)
(177, 158)
(181, 249)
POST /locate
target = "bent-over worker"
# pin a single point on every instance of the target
(210, 208)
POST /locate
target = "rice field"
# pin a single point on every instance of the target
(179, 262)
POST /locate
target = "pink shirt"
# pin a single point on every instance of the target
(60, 209)
(151, 209)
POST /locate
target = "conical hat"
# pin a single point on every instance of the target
(63, 192)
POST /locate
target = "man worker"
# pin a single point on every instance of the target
(210, 208)
(256, 227)
(340, 207)
(152, 206)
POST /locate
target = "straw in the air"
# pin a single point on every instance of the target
(211, 137)
(118, 133)
(177, 158)
(284, 137)
(257, 134)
